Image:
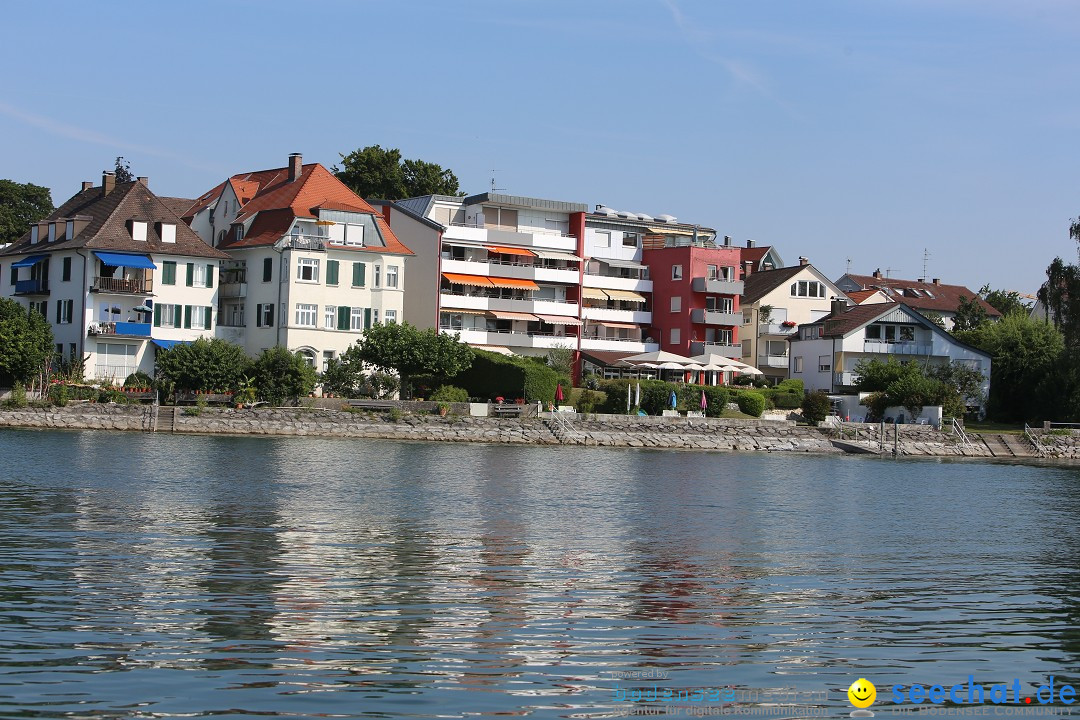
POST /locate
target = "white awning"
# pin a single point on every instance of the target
(621, 263)
(555, 255)
(559, 320)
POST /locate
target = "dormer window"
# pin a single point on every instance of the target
(239, 233)
(52, 232)
(168, 232)
(33, 234)
(69, 231)
(138, 230)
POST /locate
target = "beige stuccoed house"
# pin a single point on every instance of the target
(774, 304)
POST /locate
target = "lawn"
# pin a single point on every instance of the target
(994, 427)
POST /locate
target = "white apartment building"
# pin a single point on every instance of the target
(311, 264)
(117, 273)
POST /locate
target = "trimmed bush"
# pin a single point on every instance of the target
(751, 403)
(494, 375)
(787, 400)
(138, 380)
(816, 406)
(717, 399)
(450, 394)
(588, 401)
(792, 385)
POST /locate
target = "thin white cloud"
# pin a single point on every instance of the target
(86, 135)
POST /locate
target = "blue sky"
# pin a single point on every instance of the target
(831, 129)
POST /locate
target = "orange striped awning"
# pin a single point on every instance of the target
(503, 315)
(504, 250)
(474, 280)
(512, 283)
(559, 320)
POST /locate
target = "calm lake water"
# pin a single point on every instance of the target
(170, 576)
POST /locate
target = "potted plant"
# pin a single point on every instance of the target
(443, 408)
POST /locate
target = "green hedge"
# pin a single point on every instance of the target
(751, 403)
(495, 375)
(656, 397)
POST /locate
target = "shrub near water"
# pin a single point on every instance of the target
(751, 403)
(450, 394)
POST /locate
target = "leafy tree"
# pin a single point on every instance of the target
(934, 317)
(1005, 302)
(123, 170)
(342, 378)
(206, 364)
(970, 314)
(26, 341)
(281, 375)
(374, 172)
(816, 406)
(1025, 353)
(20, 205)
(1061, 296)
(961, 386)
(409, 351)
(876, 376)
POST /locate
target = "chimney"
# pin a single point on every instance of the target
(937, 281)
(748, 267)
(296, 163)
(877, 274)
(386, 212)
(839, 307)
(727, 241)
(108, 182)
(144, 180)
(751, 243)
(87, 184)
(803, 260)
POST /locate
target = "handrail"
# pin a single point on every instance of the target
(1034, 440)
(563, 424)
(959, 431)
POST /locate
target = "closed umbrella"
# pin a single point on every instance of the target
(637, 395)
(704, 404)
(627, 399)
(559, 393)
(674, 400)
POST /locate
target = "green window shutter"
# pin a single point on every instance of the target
(14, 275)
(176, 316)
(168, 273)
(187, 316)
(208, 318)
(67, 269)
(331, 272)
(270, 316)
(59, 304)
(209, 276)
(190, 274)
(268, 269)
(343, 317)
(367, 318)
(358, 272)
(157, 316)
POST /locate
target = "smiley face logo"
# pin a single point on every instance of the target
(862, 693)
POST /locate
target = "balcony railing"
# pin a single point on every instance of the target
(119, 285)
(113, 372)
(777, 329)
(897, 348)
(232, 290)
(31, 287)
(716, 348)
(845, 379)
(129, 329)
(303, 242)
(715, 317)
(774, 361)
(717, 285)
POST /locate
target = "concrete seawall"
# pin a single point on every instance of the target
(594, 430)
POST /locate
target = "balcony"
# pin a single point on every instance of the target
(303, 242)
(120, 286)
(897, 348)
(120, 329)
(448, 301)
(229, 291)
(772, 361)
(511, 339)
(639, 317)
(777, 329)
(717, 286)
(714, 348)
(615, 282)
(715, 317)
(618, 345)
(520, 271)
(32, 287)
(845, 379)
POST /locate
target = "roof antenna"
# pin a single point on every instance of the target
(925, 260)
(888, 272)
(493, 188)
(848, 270)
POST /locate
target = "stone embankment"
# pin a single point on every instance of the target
(769, 435)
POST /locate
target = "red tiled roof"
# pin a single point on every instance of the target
(941, 298)
(393, 245)
(755, 253)
(860, 295)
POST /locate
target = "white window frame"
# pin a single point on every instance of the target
(307, 270)
(356, 319)
(391, 276)
(199, 319)
(390, 317)
(377, 276)
(798, 364)
(67, 308)
(676, 303)
(307, 315)
(168, 315)
(674, 336)
(824, 363)
(676, 272)
(330, 317)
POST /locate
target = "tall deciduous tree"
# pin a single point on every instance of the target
(123, 170)
(20, 205)
(375, 172)
(970, 314)
(26, 341)
(409, 351)
(281, 375)
(1005, 302)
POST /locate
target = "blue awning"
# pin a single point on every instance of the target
(166, 344)
(126, 260)
(30, 261)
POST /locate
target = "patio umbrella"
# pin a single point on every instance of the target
(558, 393)
(637, 395)
(674, 400)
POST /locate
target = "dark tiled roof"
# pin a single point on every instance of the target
(758, 284)
(854, 318)
(109, 226)
(942, 298)
(177, 205)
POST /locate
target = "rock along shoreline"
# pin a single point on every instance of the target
(594, 430)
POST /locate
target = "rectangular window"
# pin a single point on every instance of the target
(675, 336)
(327, 356)
(168, 232)
(358, 274)
(391, 317)
(824, 363)
(603, 239)
(268, 269)
(378, 269)
(64, 309)
(711, 272)
(676, 303)
(305, 314)
(354, 235)
(330, 315)
(890, 333)
(630, 239)
(798, 364)
(374, 316)
(331, 272)
(66, 272)
(72, 351)
(168, 272)
(873, 332)
(307, 270)
(14, 275)
(198, 275)
(391, 276)
(356, 319)
(59, 350)
(907, 334)
(166, 316)
(200, 317)
(138, 230)
(676, 272)
(264, 316)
